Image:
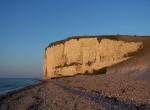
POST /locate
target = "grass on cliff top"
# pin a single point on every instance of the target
(99, 37)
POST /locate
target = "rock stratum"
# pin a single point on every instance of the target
(89, 54)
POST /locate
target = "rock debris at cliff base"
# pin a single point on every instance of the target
(82, 92)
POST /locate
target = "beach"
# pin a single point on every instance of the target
(90, 92)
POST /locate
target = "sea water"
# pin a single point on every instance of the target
(10, 84)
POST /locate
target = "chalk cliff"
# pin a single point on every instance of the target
(82, 55)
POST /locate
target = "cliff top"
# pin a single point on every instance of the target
(99, 37)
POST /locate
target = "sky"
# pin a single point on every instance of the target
(28, 26)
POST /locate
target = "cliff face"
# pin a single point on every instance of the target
(85, 55)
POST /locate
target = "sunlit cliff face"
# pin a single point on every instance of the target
(85, 55)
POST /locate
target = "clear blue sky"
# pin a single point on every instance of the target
(28, 26)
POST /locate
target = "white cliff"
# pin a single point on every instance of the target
(82, 55)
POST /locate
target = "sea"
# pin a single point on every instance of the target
(10, 84)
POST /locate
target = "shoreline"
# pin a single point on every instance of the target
(19, 89)
(79, 92)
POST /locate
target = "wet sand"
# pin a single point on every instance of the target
(81, 92)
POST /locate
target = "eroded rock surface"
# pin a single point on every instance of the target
(85, 55)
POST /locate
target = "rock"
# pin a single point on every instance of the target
(85, 55)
